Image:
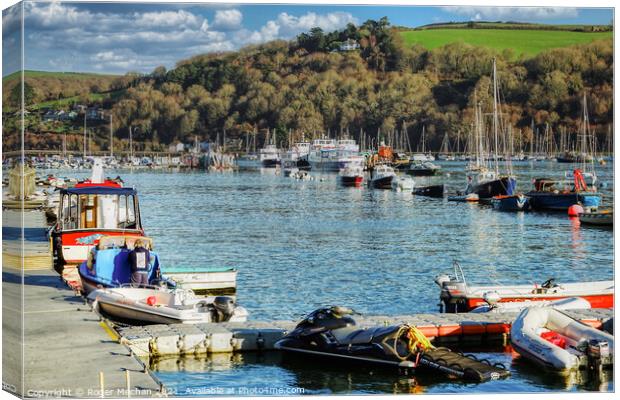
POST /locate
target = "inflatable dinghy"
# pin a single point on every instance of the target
(557, 342)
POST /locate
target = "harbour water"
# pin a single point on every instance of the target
(299, 245)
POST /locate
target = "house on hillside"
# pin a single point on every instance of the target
(95, 114)
(50, 115)
(349, 45)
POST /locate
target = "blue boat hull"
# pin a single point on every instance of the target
(562, 201)
(511, 203)
(505, 186)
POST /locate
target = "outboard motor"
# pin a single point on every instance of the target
(223, 307)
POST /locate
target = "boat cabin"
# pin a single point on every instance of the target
(89, 211)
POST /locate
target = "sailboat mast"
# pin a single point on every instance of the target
(495, 119)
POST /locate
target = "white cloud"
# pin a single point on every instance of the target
(521, 14)
(71, 36)
(228, 19)
(286, 26)
(55, 15)
(166, 19)
(292, 25)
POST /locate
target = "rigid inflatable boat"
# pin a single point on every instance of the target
(557, 342)
(458, 296)
(494, 306)
(164, 306)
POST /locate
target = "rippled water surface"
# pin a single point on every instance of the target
(303, 244)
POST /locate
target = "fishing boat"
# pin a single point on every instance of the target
(517, 202)
(296, 158)
(425, 168)
(351, 176)
(403, 183)
(600, 218)
(330, 335)
(552, 194)
(381, 177)
(92, 209)
(557, 342)
(430, 191)
(555, 194)
(458, 296)
(164, 306)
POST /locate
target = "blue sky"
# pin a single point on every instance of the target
(122, 37)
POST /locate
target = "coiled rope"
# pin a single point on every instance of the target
(416, 341)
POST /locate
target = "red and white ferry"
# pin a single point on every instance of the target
(92, 209)
(457, 296)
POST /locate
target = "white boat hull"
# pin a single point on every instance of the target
(526, 340)
(132, 304)
(200, 281)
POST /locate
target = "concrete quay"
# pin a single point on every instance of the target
(67, 351)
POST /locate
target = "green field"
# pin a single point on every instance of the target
(526, 42)
(65, 102)
(43, 74)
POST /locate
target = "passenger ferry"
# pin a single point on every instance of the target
(332, 155)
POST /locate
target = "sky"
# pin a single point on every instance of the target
(122, 37)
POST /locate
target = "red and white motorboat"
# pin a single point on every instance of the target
(90, 210)
(457, 296)
(352, 176)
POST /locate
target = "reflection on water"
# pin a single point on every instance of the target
(302, 244)
(192, 375)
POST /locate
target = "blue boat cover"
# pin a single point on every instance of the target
(99, 190)
(112, 267)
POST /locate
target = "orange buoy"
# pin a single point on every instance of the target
(151, 300)
(575, 210)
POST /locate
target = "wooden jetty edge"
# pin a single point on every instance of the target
(184, 339)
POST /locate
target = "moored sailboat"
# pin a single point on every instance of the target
(482, 180)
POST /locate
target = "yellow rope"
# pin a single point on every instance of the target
(418, 340)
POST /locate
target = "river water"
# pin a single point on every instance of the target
(299, 245)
